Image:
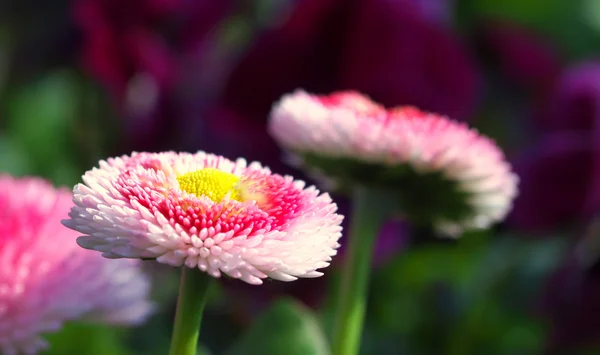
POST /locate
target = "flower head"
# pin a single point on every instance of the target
(440, 167)
(46, 279)
(202, 210)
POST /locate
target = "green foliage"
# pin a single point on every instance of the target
(564, 23)
(89, 339)
(286, 328)
(470, 298)
(152, 337)
(13, 158)
(40, 117)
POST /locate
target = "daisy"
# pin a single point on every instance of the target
(47, 279)
(441, 170)
(207, 212)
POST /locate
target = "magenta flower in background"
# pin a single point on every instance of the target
(557, 181)
(121, 41)
(574, 103)
(561, 171)
(137, 51)
(47, 279)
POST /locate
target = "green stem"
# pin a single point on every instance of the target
(193, 291)
(370, 210)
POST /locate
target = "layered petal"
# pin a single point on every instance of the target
(46, 279)
(202, 210)
(379, 145)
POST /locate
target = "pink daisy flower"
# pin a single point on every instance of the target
(443, 170)
(47, 279)
(202, 210)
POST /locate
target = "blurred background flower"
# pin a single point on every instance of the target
(139, 51)
(82, 80)
(48, 280)
(560, 170)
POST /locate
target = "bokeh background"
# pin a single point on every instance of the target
(87, 79)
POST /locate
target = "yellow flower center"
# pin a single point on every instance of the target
(212, 183)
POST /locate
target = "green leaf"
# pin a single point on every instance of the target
(286, 328)
(89, 339)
